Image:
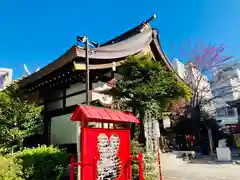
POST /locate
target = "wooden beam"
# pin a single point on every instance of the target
(82, 66)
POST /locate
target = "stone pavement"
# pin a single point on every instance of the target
(203, 172)
(177, 170)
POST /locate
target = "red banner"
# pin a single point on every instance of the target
(111, 148)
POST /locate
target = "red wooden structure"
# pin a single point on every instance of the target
(105, 152)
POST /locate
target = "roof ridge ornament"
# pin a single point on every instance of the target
(27, 71)
(131, 32)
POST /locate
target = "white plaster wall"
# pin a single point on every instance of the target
(63, 130)
(78, 99)
(81, 98)
(75, 88)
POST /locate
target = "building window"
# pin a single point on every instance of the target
(223, 91)
(225, 111)
(221, 112)
(230, 111)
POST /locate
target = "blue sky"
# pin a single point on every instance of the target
(37, 32)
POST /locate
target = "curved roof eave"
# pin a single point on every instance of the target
(157, 45)
(121, 49)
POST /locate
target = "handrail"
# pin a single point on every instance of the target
(138, 158)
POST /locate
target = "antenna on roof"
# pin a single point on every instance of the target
(27, 71)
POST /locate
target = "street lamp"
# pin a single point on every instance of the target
(84, 39)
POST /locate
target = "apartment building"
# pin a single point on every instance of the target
(197, 80)
(5, 77)
(226, 89)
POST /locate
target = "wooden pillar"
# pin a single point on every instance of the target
(46, 124)
(64, 98)
(47, 128)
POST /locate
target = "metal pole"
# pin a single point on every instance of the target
(78, 149)
(87, 71)
(159, 165)
(87, 102)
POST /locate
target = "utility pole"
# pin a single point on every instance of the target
(87, 71)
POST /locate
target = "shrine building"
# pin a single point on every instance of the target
(59, 87)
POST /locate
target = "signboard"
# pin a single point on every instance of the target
(111, 149)
(166, 122)
(152, 132)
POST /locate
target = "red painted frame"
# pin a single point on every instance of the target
(90, 150)
(94, 114)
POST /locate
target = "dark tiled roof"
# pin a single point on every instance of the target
(129, 43)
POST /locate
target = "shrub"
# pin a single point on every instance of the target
(48, 163)
(10, 169)
(4, 151)
(135, 149)
(151, 170)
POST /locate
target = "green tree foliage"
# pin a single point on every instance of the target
(18, 118)
(146, 83)
(151, 169)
